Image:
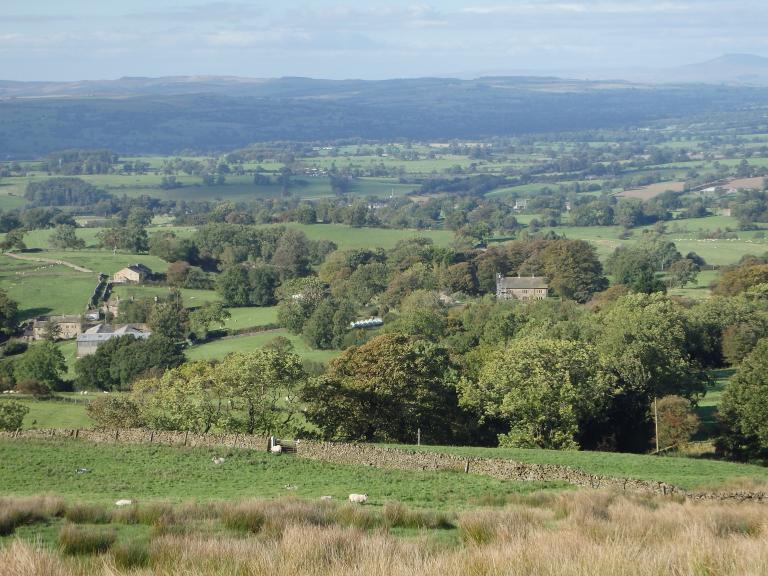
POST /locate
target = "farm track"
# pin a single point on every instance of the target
(49, 261)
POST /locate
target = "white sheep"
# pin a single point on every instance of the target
(276, 449)
(358, 498)
(218, 460)
(326, 497)
(124, 503)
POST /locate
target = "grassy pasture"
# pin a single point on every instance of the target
(218, 349)
(687, 473)
(45, 288)
(249, 317)
(348, 237)
(180, 474)
(191, 298)
(54, 414)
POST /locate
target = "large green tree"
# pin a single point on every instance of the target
(385, 390)
(543, 389)
(9, 311)
(43, 363)
(743, 410)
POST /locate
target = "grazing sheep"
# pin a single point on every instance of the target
(83, 470)
(218, 460)
(124, 503)
(358, 498)
(291, 487)
(326, 497)
(276, 449)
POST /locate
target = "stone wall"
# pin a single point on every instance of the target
(393, 458)
(142, 436)
(368, 455)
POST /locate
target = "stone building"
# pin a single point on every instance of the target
(90, 340)
(61, 327)
(521, 287)
(133, 274)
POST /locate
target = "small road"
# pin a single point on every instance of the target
(48, 261)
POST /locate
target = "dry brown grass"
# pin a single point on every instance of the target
(17, 511)
(581, 533)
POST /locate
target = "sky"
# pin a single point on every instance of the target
(373, 39)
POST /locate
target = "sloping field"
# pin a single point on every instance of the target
(652, 190)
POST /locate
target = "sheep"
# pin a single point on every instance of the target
(124, 503)
(217, 460)
(326, 497)
(358, 498)
(276, 449)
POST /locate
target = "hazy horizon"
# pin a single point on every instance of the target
(89, 40)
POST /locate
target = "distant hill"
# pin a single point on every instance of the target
(168, 115)
(746, 69)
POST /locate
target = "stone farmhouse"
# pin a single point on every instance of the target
(90, 340)
(133, 274)
(521, 287)
(67, 327)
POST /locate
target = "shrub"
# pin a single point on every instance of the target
(74, 540)
(12, 415)
(131, 554)
(34, 388)
(14, 346)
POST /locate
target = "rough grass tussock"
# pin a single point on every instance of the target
(15, 512)
(75, 540)
(582, 533)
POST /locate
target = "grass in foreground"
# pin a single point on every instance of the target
(688, 473)
(568, 534)
(151, 472)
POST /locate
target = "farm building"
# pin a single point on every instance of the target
(89, 341)
(133, 274)
(521, 287)
(62, 327)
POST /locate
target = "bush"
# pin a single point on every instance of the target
(74, 540)
(34, 388)
(14, 346)
(12, 415)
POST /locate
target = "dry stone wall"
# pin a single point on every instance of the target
(394, 458)
(143, 436)
(367, 455)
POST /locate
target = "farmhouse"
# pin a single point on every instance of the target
(521, 288)
(133, 274)
(89, 341)
(60, 327)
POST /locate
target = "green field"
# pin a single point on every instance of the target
(192, 298)
(45, 288)
(347, 237)
(218, 349)
(54, 414)
(180, 474)
(689, 473)
(249, 317)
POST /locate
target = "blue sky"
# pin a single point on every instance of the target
(90, 39)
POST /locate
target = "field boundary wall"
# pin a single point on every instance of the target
(396, 458)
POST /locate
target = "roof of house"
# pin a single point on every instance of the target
(138, 268)
(102, 332)
(73, 319)
(523, 282)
